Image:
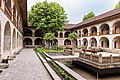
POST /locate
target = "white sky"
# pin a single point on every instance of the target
(76, 9)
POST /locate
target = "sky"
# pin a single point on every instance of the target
(76, 9)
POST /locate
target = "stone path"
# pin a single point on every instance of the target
(26, 66)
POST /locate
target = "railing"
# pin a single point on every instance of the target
(115, 32)
(8, 12)
(104, 32)
(84, 35)
(99, 58)
(93, 34)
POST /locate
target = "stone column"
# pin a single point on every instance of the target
(100, 58)
(2, 4)
(111, 58)
(63, 34)
(110, 30)
(98, 32)
(58, 34)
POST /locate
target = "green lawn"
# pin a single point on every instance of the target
(48, 50)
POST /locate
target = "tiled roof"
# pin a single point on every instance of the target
(97, 18)
(68, 26)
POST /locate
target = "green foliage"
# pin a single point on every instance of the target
(58, 48)
(48, 50)
(82, 47)
(63, 75)
(60, 71)
(117, 5)
(88, 16)
(49, 36)
(72, 36)
(47, 16)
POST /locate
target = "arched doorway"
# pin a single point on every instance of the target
(85, 33)
(55, 42)
(38, 41)
(14, 40)
(27, 41)
(116, 28)
(93, 42)
(7, 38)
(79, 42)
(56, 34)
(66, 34)
(85, 42)
(27, 32)
(38, 33)
(104, 29)
(93, 31)
(67, 42)
(79, 33)
(76, 42)
(104, 42)
(116, 42)
(61, 35)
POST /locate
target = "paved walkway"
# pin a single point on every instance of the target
(26, 66)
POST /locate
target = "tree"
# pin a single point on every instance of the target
(88, 16)
(117, 5)
(48, 17)
(73, 36)
(49, 37)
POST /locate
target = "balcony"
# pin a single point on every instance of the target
(116, 32)
(93, 34)
(85, 35)
(104, 32)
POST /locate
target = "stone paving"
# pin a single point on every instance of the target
(26, 66)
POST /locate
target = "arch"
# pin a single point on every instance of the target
(85, 32)
(56, 34)
(38, 41)
(7, 37)
(27, 32)
(104, 42)
(66, 34)
(76, 42)
(61, 35)
(116, 27)
(76, 32)
(38, 33)
(14, 39)
(93, 31)
(93, 42)
(67, 42)
(55, 42)
(27, 41)
(104, 29)
(116, 42)
(85, 42)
